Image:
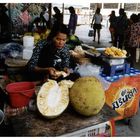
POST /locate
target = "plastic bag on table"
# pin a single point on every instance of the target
(10, 50)
(91, 70)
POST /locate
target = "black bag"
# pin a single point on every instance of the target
(90, 33)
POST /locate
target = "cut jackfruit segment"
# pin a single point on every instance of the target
(52, 99)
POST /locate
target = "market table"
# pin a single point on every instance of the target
(67, 124)
(31, 123)
(72, 124)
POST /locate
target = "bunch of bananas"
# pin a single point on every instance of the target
(115, 52)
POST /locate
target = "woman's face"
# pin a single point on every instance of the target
(60, 40)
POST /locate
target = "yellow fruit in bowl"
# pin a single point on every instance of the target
(43, 35)
(36, 37)
(28, 33)
(47, 32)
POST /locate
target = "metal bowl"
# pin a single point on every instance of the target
(1, 116)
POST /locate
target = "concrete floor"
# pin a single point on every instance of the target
(82, 33)
(123, 127)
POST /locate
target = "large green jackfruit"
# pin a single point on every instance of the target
(87, 96)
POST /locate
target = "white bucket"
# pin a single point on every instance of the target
(28, 41)
(27, 53)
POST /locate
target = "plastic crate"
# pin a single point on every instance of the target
(114, 61)
(114, 70)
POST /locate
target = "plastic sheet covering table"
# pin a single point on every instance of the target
(33, 124)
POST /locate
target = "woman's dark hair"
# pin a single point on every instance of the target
(43, 8)
(62, 28)
(98, 10)
(56, 10)
(121, 11)
(134, 18)
(113, 12)
(72, 10)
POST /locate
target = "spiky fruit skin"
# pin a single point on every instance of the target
(87, 96)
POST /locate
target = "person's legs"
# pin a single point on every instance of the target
(112, 35)
(94, 35)
(98, 31)
(115, 39)
(132, 58)
(111, 38)
(121, 41)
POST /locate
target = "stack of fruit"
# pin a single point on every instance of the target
(115, 52)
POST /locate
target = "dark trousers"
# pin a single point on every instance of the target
(132, 58)
(118, 40)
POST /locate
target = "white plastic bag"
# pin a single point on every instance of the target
(88, 70)
(92, 70)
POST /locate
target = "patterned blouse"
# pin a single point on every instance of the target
(46, 55)
(134, 40)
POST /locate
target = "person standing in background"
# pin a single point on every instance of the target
(112, 20)
(25, 18)
(5, 24)
(72, 21)
(45, 14)
(120, 29)
(97, 19)
(132, 41)
(57, 17)
(44, 19)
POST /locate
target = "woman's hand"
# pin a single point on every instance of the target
(53, 73)
(67, 71)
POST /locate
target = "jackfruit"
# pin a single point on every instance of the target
(87, 96)
(52, 99)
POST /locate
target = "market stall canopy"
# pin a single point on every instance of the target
(72, 1)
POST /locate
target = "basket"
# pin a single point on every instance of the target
(20, 93)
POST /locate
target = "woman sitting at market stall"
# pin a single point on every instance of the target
(51, 57)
